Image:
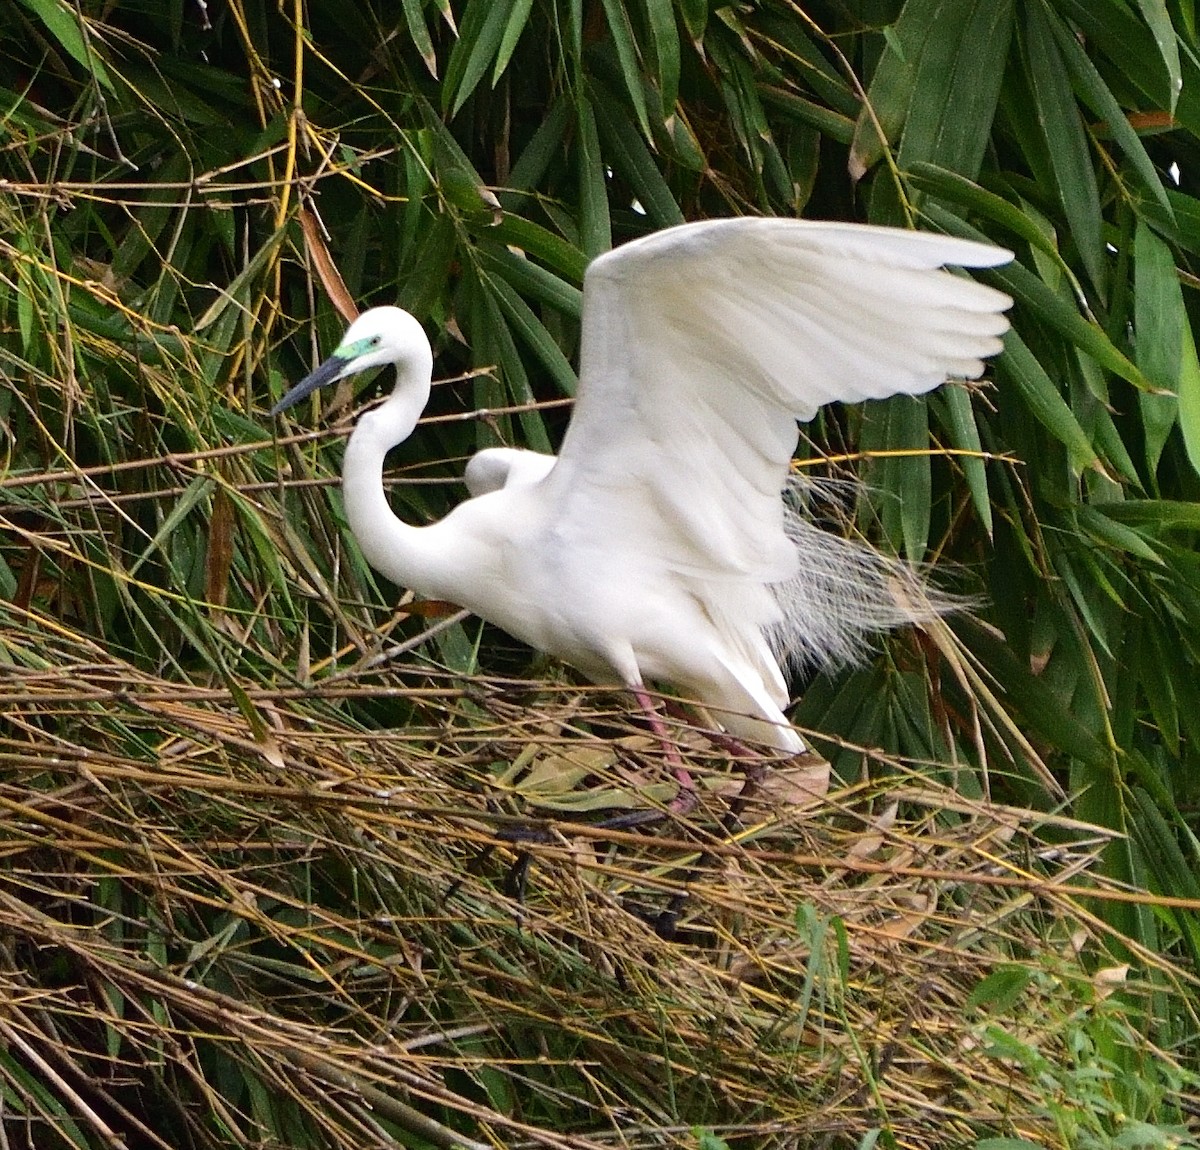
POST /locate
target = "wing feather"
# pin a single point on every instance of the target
(704, 344)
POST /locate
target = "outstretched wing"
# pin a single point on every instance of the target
(704, 344)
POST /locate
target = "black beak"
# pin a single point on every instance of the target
(326, 373)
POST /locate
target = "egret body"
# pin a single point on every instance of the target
(655, 546)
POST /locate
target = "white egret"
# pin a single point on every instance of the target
(655, 547)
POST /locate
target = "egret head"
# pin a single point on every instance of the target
(378, 337)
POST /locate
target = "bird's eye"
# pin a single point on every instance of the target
(376, 340)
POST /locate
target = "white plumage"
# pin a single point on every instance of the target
(656, 546)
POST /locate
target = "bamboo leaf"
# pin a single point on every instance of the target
(633, 160)
(621, 30)
(239, 286)
(414, 17)
(1046, 712)
(1116, 534)
(695, 16)
(889, 96)
(1067, 144)
(1155, 13)
(1185, 214)
(895, 438)
(958, 189)
(533, 280)
(1125, 41)
(595, 231)
(665, 37)
(63, 25)
(433, 256)
(1189, 398)
(964, 435)
(562, 257)
(481, 33)
(1102, 101)
(535, 335)
(1159, 326)
(543, 148)
(957, 86)
(517, 20)
(1160, 515)
(1020, 367)
(502, 349)
(825, 120)
(908, 475)
(1156, 671)
(195, 491)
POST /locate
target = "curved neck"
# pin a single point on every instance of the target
(405, 554)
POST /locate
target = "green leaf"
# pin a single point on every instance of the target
(532, 279)
(480, 36)
(630, 157)
(195, 491)
(1114, 534)
(1007, 1144)
(458, 181)
(744, 108)
(535, 335)
(627, 56)
(1172, 871)
(895, 43)
(1156, 671)
(1159, 335)
(414, 17)
(1066, 140)
(964, 436)
(555, 252)
(1116, 34)
(1042, 708)
(517, 20)
(1001, 989)
(1189, 398)
(574, 11)
(890, 93)
(695, 16)
(957, 86)
(240, 284)
(1161, 515)
(909, 476)
(595, 231)
(958, 189)
(431, 261)
(665, 38)
(825, 120)
(1102, 101)
(895, 436)
(544, 147)
(61, 21)
(1185, 211)
(1020, 367)
(494, 341)
(1155, 13)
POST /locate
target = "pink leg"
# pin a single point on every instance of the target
(686, 798)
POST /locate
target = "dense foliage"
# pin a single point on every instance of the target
(210, 702)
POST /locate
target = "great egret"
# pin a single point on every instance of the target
(656, 546)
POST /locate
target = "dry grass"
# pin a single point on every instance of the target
(318, 912)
